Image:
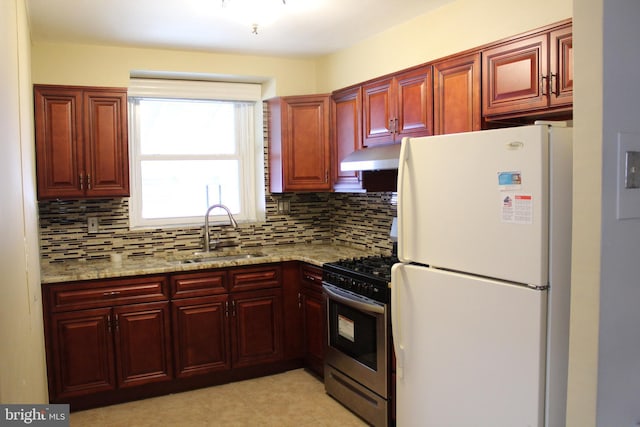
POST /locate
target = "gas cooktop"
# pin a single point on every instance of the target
(367, 276)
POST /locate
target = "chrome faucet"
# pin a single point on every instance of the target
(207, 233)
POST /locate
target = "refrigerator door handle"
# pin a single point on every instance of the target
(402, 170)
(353, 301)
(396, 329)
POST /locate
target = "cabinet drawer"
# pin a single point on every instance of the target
(245, 279)
(99, 293)
(311, 277)
(199, 284)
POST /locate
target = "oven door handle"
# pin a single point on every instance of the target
(352, 301)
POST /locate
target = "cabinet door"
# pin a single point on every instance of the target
(82, 347)
(456, 97)
(256, 327)
(347, 136)
(314, 320)
(143, 349)
(299, 148)
(514, 76)
(59, 142)
(414, 92)
(379, 112)
(107, 161)
(561, 56)
(200, 335)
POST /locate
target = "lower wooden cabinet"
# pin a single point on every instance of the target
(201, 342)
(115, 340)
(226, 330)
(313, 318)
(124, 342)
(256, 327)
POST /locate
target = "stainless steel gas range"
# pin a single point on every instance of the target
(357, 362)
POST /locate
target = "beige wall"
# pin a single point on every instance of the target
(454, 27)
(74, 64)
(587, 216)
(22, 361)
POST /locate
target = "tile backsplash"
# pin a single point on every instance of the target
(357, 220)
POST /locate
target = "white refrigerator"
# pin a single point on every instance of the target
(480, 298)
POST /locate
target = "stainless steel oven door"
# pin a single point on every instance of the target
(357, 338)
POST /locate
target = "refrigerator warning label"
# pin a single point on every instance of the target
(516, 208)
(346, 328)
(511, 180)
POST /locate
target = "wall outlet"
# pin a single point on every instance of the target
(92, 224)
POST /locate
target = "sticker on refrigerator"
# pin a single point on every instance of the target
(516, 208)
(511, 180)
(346, 328)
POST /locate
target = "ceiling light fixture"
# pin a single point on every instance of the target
(256, 13)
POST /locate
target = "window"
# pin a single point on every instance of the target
(194, 145)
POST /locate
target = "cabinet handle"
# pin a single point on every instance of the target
(326, 175)
(109, 323)
(391, 130)
(81, 178)
(310, 278)
(233, 308)
(89, 182)
(226, 308)
(543, 85)
(117, 324)
(111, 294)
(395, 125)
(299, 300)
(554, 85)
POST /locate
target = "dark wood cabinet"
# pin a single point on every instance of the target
(346, 122)
(529, 75)
(313, 317)
(397, 106)
(106, 335)
(201, 341)
(81, 352)
(561, 65)
(299, 143)
(142, 343)
(256, 328)
(456, 94)
(225, 319)
(81, 142)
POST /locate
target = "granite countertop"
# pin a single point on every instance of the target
(316, 254)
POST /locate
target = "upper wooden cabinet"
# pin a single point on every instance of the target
(529, 75)
(398, 106)
(81, 142)
(299, 150)
(456, 94)
(346, 122)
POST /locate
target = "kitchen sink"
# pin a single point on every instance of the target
(201, 258)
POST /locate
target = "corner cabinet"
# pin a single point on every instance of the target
(456, 94)
(81, 142)
(106, 335)
(529, 75)
(299, 138)
(397, 106)
(314, 318)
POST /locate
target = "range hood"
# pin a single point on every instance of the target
(379, 157)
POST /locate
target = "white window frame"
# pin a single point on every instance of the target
(251, 167)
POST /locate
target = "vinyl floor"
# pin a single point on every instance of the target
(291, 399)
